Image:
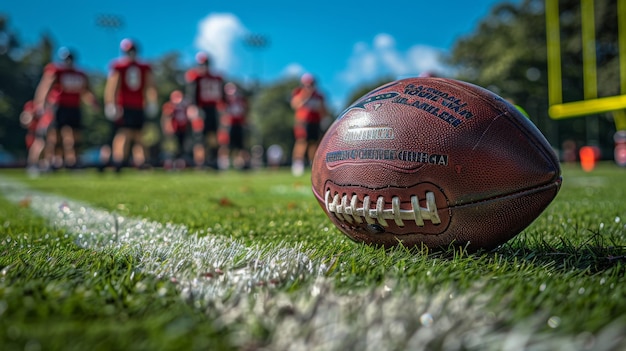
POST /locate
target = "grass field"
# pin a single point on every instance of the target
(231, 261)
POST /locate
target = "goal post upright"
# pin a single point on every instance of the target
(591, 103)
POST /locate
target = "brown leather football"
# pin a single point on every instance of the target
(434, 162)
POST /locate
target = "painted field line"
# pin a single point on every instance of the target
(316, 317)
(203, 266)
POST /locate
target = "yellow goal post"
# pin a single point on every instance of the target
(591, 103)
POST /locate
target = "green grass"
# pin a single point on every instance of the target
(559, 284)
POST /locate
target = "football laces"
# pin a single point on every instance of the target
(346, 209)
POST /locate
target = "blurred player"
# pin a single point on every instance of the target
(29, 119)
(63, 86)
(36, 124)
(206, 91)
(310, 108)
(175, 124)
(231, 135)
(275, 155)
(105, 158)
(129, 95)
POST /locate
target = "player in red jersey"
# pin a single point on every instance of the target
(29, 119)
(36, 124)
(310, 108)
(206, 91)
(231, 135)
(129, 95)
(175, 123)
(62, 87)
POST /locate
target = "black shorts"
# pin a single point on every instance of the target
(41, 132)
(236, 137)
(180, 138)
(133, 118)
(210, 116)
(67, 117)
(309, 131)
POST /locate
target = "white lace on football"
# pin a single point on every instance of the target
(346, 209)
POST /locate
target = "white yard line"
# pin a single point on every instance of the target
(316, 317)
(203, 266)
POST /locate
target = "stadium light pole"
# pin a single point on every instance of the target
(257, 42)
(111, 23)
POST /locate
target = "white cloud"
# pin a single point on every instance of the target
(425, 58)
(382, 58)
(218, 35)
(384, 41)
(293, 70)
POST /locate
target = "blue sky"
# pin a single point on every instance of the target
(343, 43)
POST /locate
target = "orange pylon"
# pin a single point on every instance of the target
(588, 157)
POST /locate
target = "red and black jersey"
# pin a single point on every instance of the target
(132, 82)
(69, 84)
(311, 111)
(208, 88)
(177, 114)
(236, 109)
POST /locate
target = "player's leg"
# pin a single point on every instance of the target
(199, 154)
(106, 148)
(120, 146)
(51, 150)
(312, 139)
(224, 138)
(34, 154)
(139, 155)
(299, 149)
(68, 142)
(179, 162)
(211, 144)
(237, 142)
(70, 132)
(105, 156)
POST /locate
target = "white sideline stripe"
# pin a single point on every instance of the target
(203, 266)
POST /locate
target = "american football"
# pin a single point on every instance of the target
(434, 162)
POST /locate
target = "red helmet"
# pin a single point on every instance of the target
(127, 45)
(202, 58)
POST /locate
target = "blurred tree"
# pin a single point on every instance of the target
(168, 75)
(20, 70)
(95, 126)
(507, 54)
(271, 116)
